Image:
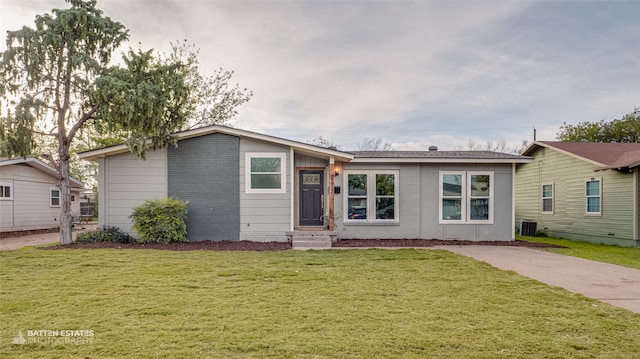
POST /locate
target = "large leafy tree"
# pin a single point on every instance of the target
(56, 80)
(214, 99)
(626, 129)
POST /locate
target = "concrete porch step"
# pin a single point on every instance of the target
(306, 242)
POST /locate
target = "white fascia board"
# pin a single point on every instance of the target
(440, 160)
(108, 151)
(570, 154)
(103, 152)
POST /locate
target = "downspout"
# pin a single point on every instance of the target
(513, 201)
(103, 190)
(635, 204)
(292, 206)
(13, 202)
(332, 167)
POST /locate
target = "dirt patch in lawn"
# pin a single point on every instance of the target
(281, 246)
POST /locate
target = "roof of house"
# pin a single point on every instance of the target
(355, 156)
(300, 146)
(439, 156)
(39, 165)
(603, 155)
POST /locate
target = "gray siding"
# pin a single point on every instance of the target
(126, 181)
(502, 211)
(308, 161)
(419, 203)
(30, 207)
(264, 216)
(204, 171)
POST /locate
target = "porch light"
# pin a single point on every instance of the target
(337, 172)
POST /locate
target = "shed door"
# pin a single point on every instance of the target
(311, 197)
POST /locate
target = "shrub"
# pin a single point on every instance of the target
(160, 221)
(105, 234)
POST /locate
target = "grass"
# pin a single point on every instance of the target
(628, 257)
(316, 304)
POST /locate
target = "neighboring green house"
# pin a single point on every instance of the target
(582, 191)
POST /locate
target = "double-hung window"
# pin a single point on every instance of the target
(5, 191)
(55, 197)
(593, 197)
(452, 196)
(466, 197)
(547, 198)
(372, 196)
(265, 172)
(480, 196)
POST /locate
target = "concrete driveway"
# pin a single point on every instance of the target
(609, 283)
(13, 243)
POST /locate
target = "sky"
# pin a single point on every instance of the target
(412, 73)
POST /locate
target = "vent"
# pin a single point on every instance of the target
(433, 148)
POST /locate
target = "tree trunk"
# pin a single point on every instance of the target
(66, 216)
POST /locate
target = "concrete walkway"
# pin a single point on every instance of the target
(609, 283)
(13, 243)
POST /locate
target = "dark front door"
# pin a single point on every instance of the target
(311, 197)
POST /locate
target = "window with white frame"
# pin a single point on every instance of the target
(451, 196)
(55, 197)
(265, 173)
(466, 197)
(593, 196)
(547, 197)
(6, 191)
(372, 196)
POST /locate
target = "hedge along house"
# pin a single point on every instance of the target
(29, 196)
(582, 191)
(244, 185)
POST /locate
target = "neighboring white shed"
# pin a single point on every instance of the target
(29, 196)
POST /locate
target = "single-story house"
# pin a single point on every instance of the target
(29, 196)
(581, 191)
(243, 185)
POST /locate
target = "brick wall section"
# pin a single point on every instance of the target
(204, 171)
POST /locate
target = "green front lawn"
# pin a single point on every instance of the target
(317, 304)
(628, 257)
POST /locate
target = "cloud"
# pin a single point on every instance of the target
(415, 73)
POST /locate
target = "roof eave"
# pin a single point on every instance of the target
(535, 145)
(443, 160)
(339, 155)
(43, 167)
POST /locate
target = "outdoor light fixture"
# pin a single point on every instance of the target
(337, 172)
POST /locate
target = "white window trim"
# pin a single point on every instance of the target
(6, 184)
(51, 197)
(465, 202)
(283, 171)
(463, 199)
(489, 220)
(371, 196)
(553, 197)
(586, 198)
